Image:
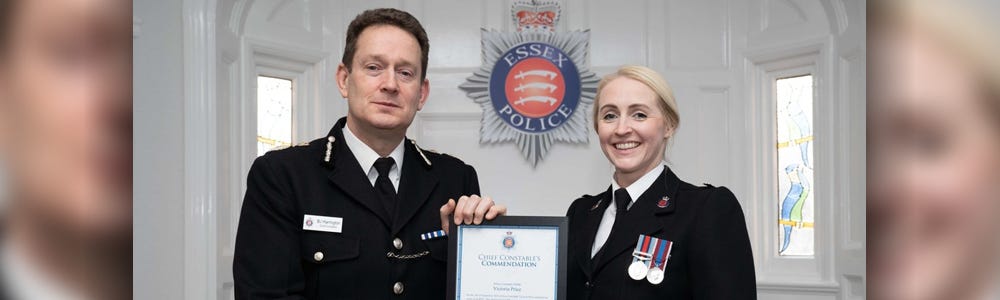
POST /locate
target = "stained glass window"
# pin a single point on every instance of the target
(274, 113)
(795, 165)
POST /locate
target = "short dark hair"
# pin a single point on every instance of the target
(385, 16)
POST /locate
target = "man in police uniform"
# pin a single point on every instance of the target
(342, 217)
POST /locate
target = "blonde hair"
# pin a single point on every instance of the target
(653, 80)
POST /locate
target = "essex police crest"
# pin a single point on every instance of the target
(533, 86)
(508, 240)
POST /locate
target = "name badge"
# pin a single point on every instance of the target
(322, 223)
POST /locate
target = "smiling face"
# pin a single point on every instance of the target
(383, 86)
(633, 130)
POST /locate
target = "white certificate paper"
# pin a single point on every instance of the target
(507, 262)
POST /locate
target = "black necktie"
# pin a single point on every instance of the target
(622, 199)
(383, 185)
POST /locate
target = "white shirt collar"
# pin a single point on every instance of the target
(366, 157)
(639, 186)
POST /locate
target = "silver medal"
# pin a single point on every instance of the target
(637, 270)
(655, 276)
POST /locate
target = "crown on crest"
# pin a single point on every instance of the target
(533, 15)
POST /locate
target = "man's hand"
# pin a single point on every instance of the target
(470, 210)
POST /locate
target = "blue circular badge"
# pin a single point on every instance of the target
(535, 87)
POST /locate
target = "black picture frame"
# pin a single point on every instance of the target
(560, 223)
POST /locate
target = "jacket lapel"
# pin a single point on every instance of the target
(348, 176)
(415, 186)
(641, 218)
(593, 220)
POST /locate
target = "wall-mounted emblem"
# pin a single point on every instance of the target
(533, 86)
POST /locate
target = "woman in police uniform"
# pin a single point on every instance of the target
(651, 235)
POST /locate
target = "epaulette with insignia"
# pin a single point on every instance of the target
(329, 148)
(421, 152)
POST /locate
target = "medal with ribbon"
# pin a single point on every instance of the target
(659, 263)
(640, 258)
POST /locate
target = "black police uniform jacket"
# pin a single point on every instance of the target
(710, 259)
(276, 259)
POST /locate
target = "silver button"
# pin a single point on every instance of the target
(318, 256)
(398, 243)
(397, 288)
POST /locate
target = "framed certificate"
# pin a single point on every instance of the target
(510, 257)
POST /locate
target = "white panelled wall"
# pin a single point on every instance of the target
(720, 56)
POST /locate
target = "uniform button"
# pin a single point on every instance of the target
(587, 284)
(397, 288)
(318, 256)
(398, 243)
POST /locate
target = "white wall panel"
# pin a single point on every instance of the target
(699, 34)
(693, 149)
(617, 32)
(455, 26)
(445, 97)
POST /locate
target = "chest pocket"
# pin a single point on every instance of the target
(324, 247)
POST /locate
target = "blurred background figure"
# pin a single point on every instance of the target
(65, 144)
(934, 150)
